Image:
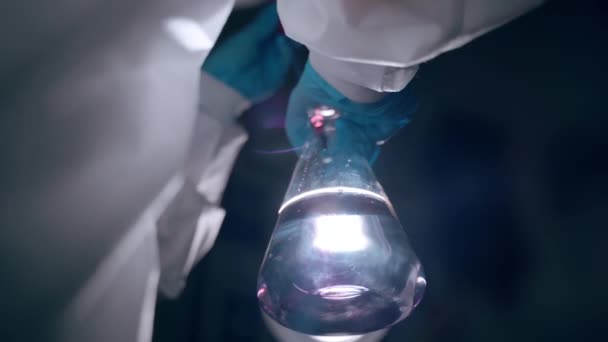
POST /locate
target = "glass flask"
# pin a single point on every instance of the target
(338, 261)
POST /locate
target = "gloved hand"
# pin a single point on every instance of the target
(361, 128)
(257, 60)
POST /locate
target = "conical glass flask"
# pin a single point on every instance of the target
(338, 261)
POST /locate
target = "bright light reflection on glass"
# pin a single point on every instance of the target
(339, 233)
(336, 338)
(341, 292)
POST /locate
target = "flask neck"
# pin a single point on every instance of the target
(322, 169)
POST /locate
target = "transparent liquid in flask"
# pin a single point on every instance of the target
(338, 261)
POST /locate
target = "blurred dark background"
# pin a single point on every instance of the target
(500, 182)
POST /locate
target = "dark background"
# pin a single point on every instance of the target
(499, 182)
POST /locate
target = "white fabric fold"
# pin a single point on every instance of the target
(188, 227)
(376, 43)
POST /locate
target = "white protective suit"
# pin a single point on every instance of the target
(113, 180)
(99, 103)
(378, 44)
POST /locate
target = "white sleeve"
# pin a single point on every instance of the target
(372, 43)
(188, 227)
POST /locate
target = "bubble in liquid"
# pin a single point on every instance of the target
(339, 264)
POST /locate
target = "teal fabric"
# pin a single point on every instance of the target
(361, 128)
(257, 59)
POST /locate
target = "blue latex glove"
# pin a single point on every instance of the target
(257, 60)
(361, 128)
